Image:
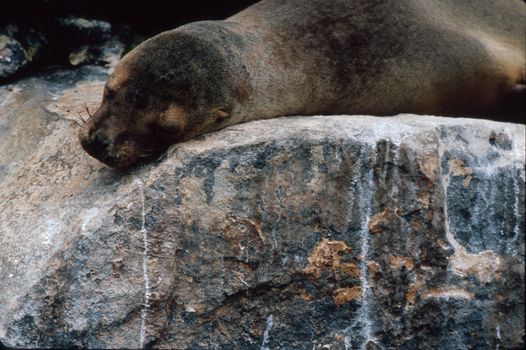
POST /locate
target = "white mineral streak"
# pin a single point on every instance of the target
(90, 215)
(5, 97)
(275, 224)
(397, 182)
(497, 335)
(362, 186)
(223, 273)
(484, 265)
(147, 294)
(266, 333)
(516, 206)
(447, 293)
(52, 229)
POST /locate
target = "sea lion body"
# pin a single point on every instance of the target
(297, 57)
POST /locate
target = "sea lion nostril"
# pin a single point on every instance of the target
(101, 140)
(96, 144)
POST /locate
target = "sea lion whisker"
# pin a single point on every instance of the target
(159, 158)
(81, 118)
(148, 152)
(87, 109)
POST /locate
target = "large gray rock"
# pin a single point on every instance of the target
(304, 232)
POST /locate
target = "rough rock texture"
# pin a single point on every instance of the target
(68, 39)
(315, 232)
(84, 41)
(38, 33)
(19, 46)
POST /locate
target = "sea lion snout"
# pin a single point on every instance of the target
(117, 152)
(117, 141)
(113, 149)
(94, 139)
(96, 144)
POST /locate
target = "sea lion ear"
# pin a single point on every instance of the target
(174, 117)
(220, 114)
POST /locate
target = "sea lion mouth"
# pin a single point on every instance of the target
(121, 152)
(122, 156)
(123, 149)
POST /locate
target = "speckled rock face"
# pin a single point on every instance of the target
(19, 46)
(334, 232)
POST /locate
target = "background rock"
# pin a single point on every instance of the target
(85, 41)
(147, 18)
(19, 46)
(12, 56)
(87, 31)
(314, 232)
(79, 32)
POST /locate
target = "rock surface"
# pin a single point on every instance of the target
(315, 232)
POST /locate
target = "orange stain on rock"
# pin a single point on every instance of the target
(378, 222)
(326, 257)
(305, 296)
(344, 295)
(399, 261)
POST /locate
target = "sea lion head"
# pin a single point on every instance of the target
(168, 89)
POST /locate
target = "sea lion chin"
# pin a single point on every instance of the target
(296, 57)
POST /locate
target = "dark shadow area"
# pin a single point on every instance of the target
(144, 16)
(40, 33)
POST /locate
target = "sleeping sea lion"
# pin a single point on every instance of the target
(297, 57)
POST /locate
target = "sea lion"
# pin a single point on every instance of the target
(297, 57)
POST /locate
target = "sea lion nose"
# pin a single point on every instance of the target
(95, 144)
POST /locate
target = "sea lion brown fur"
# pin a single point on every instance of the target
(298, 57)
